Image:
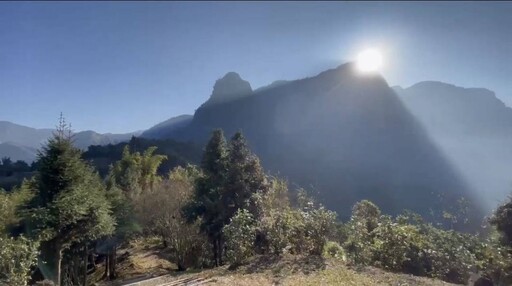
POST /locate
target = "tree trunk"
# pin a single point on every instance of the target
(58, 262)
(215, 253)
(220, 250)
(86, 255)
(112, 262)
(107, 265)
(164, 241)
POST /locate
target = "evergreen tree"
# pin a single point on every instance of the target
(207, 203)
(231, 177)
(69, 206)
(245, 177)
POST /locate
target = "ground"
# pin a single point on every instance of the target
(144, 264)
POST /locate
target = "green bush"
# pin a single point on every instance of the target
(319, 224)
(360, 238)
(408, 244)
(17, 257)
(279, 230)
(332, 249)
(240, 235)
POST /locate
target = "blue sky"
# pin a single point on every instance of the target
(125, 66)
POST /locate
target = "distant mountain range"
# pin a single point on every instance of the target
(21, 142)
(349, 137)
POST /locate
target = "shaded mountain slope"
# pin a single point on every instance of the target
(347, 135)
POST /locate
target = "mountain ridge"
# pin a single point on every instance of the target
(21, 142)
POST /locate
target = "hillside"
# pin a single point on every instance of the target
(342, 134)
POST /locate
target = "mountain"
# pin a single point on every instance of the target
(17, 152)
(21, 142)
(473, 128)
(169, 125)
(85, 139)
(343, 134)
(23, 135)
(228, 88)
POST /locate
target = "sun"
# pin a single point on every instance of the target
(369, 61)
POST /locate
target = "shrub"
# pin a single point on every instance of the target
(408, 244)
(332, 249)
(399, 247)
(240, 235)
(17, 257)
(359, 243)
(319, 224)
(278, 230)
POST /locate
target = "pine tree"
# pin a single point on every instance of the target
(231, 176)
(69, 206)
(207, 203)
(245, 177)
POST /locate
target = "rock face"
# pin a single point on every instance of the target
(228, 88)
(342, 134)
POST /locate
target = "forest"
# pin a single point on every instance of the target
(66, 220)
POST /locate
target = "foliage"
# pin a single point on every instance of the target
(333, 249)
(122, 211)
(408, 244)
(244, 178)
(284, 229)
(137, 172)
(366, 214)
(164, 216)
(240, 234)
(502, 220)
(17, 257)
(13, 173)
(365, 218)
(69, 205)
(10, 205)
(319, 224)
(178, 153)
(206, 204)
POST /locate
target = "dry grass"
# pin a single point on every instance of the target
(290, 270)
(146, 257)
(143, 257)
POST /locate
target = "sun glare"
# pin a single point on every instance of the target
(369, 61)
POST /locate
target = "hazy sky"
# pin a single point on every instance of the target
(119, 67)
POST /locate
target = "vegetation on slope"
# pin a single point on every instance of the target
(225, 213)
